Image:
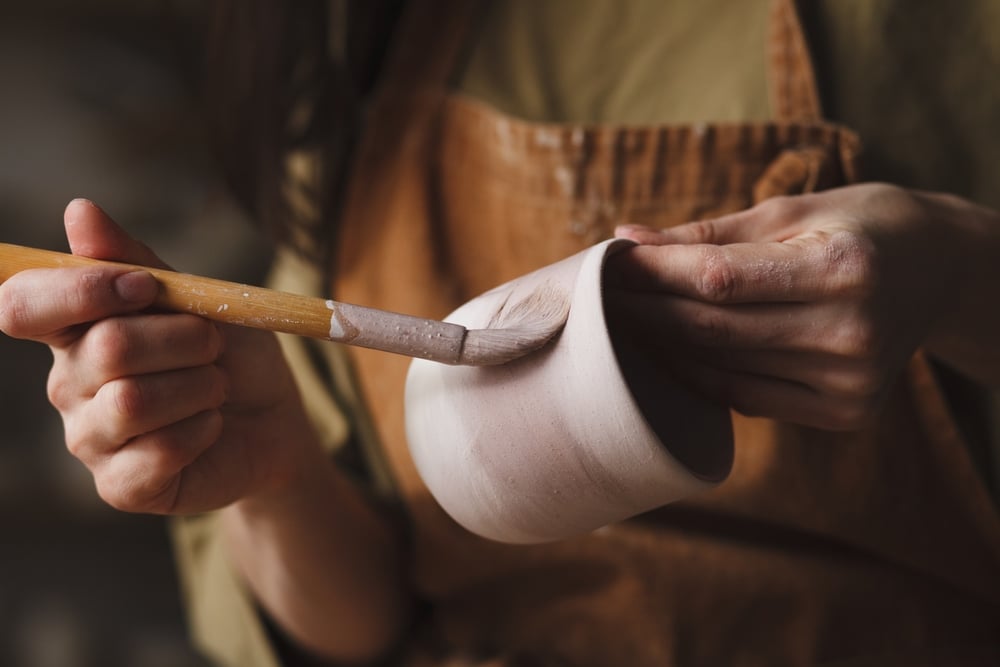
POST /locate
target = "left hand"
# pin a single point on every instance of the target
(804, 309)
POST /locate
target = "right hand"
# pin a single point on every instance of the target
(171, 413)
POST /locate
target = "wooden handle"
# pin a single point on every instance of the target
(260, 308)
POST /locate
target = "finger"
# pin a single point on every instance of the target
(129, 407)
(784, 326)
(91, 232)
(645, 235)
(45, 304)
(146, 475)
(732, 228)
(838, 330)
(801, 269)
(772, 398)
(119, 347)
(827, 375)
(48, 304)
(775, 219)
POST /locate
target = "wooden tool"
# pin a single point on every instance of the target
(537, 321)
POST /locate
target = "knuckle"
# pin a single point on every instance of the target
(867, 385)
(120, 492)
(135, 490)
(782, 207)
(76, 443)
(110, 346)
(83, 297)
(852, 260)
(854, 338)
(702, 231)
(15, 312)
(719, 279)
(777, 204)
(60, 390)
(82, 440)
(128, 399)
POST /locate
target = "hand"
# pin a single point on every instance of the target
(170, 412)
(174, 414)
(803, 309)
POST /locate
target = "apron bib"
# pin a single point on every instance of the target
(821, 546)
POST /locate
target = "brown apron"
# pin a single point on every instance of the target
(875, 547)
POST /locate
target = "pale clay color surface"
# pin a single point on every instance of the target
(555, 444)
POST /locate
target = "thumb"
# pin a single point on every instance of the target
(92, 233)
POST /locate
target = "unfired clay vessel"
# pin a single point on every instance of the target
(567, 439)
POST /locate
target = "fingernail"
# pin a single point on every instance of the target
(136, 287)
(632, 230)
(81, 201)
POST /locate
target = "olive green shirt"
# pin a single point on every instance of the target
(917, 79)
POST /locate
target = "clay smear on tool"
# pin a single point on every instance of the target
(340, 329)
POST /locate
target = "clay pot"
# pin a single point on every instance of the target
(567, 439)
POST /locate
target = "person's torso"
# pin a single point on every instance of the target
(821, 546)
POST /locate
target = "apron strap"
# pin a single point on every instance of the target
(791, 77)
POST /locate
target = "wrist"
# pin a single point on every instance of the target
(317, 554)
(299, 470)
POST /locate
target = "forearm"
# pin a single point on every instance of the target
(966, 334)
(323, 562)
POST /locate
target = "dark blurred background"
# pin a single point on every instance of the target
(98, 102)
